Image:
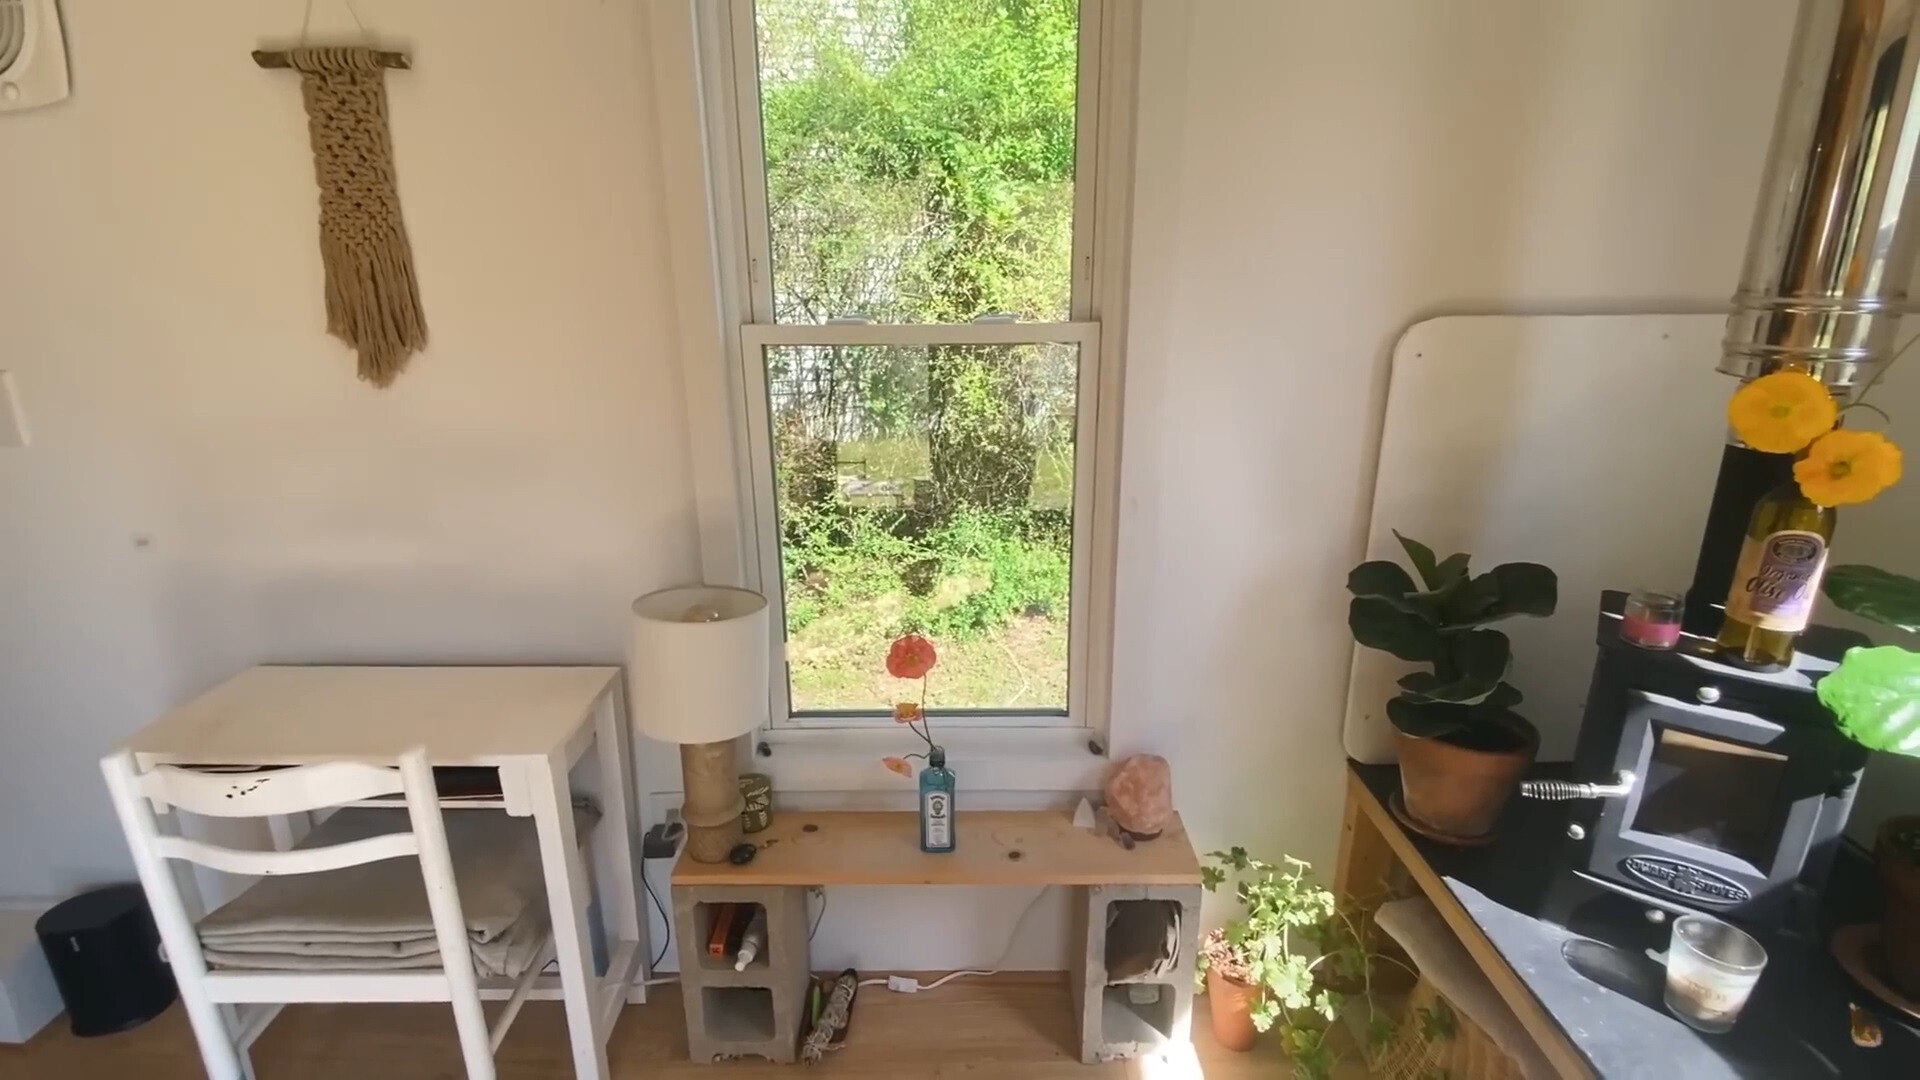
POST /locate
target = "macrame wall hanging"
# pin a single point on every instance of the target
(373, 298)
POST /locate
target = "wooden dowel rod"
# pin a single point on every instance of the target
(279, 59)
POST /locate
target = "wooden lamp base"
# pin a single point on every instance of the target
(710, 776)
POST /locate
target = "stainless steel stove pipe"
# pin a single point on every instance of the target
(1834, 235)
(1833, 244)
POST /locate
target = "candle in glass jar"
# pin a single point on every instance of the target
(1651, 620)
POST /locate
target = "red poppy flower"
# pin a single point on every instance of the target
(898, 765)
(911, 657)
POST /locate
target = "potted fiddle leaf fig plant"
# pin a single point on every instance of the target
(1461, 745)
(1875, 696)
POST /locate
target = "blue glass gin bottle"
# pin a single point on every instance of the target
(936, 804)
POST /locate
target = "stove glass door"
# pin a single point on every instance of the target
(1713, 792)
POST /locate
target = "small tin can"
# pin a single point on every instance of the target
(757, 789)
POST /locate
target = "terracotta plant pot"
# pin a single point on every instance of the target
(1231, 1003)
(1896, 854)
(1457, 792)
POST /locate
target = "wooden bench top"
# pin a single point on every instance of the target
(995, 847)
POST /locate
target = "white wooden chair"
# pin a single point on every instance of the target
(210, 994)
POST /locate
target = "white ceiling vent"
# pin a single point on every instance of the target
(33, 59)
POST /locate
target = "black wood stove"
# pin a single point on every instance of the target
(1704, 787)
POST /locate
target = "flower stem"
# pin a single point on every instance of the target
(1882, 373)
(925, 720)
(1874, 409)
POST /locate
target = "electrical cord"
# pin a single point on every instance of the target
(820, 918)
(1013, 938)
(950, 976)
(665, 942)
(665, 920)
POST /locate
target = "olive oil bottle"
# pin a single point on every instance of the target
(1776, 580)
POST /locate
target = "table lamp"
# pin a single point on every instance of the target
(697, 671)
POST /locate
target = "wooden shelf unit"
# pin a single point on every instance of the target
(802, 850)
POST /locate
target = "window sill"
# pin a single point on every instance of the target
(985, 759)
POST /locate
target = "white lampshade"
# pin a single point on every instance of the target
(697, 665)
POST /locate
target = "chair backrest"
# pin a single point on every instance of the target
(139, 796)
(277, 792)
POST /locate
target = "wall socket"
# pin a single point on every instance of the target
(13, 418)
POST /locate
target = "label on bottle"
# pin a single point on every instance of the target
(1777, 579)
(936, 817)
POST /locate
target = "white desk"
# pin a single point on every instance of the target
(531, 723)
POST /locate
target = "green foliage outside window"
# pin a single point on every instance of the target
(920, 169)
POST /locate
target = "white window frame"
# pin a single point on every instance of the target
(735, 255)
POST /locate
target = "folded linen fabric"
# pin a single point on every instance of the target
(375, 917)
(1442, 960)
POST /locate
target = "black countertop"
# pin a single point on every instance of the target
(1537, 914)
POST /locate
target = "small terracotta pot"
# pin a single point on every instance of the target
(1231, 1003)
(1456, 791)
(1900, 904)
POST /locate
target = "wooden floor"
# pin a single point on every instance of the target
(1014, 1027)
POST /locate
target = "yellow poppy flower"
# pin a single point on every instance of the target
(1844, 467)
(906, 712)
(898, 765)
(1781, 413)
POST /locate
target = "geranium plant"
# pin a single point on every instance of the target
(912, 657)
(1301, 951)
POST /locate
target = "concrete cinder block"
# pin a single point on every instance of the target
(1112, 1026)
(751, 1013)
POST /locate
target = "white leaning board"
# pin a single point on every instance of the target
(1589, 443)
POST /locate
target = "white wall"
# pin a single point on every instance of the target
(160, 293)
(1312, 177)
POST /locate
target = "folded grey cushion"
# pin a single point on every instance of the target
(1143, 939)
(375, 917)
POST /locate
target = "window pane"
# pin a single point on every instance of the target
(919, 156)
(927, 489)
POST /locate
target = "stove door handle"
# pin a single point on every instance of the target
(1563, 790)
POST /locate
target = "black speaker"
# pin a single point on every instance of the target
(105, 954)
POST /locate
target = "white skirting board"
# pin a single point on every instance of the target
(29, 1000)
(1589, 443)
